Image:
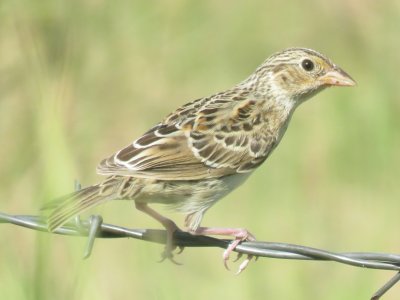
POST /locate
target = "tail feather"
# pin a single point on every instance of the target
(114, 187)
(74, 204)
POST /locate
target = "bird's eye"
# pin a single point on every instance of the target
(307, 65)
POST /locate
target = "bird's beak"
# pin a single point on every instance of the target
(337, 77)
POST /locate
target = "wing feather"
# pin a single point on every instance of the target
(210, 137)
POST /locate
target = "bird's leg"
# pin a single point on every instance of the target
(168, 224)
(240, 234)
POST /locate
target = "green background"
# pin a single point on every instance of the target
(80, 79)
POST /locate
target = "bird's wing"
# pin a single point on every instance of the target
(210, 137)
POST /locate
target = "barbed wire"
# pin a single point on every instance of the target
(95, 228)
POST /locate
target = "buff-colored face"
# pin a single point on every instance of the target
(302, 72)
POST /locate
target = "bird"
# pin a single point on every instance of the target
(208, 147)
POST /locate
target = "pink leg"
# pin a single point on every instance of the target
(240, 234)
(168, 224)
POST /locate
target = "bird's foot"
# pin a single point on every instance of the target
(171, 228)
(166, 254)
(240, 235)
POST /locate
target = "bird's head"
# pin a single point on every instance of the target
(298, 74)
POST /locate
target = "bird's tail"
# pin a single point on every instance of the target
(76, 203)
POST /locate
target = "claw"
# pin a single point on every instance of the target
(239, 256)
(171, 259)
(232, 247)
(244, 264)
(225, 257)
(228, 251)
(240, 235)
(167, 254)
(181, 248)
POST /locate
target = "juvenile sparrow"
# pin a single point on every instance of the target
(208, 147)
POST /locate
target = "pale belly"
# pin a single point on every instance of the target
(190, 197)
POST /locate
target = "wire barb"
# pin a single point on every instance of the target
(95, 228)
(95, 225)
(386, 287)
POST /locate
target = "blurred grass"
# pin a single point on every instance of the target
(79, 79)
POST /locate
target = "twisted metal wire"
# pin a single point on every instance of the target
(95, 228)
